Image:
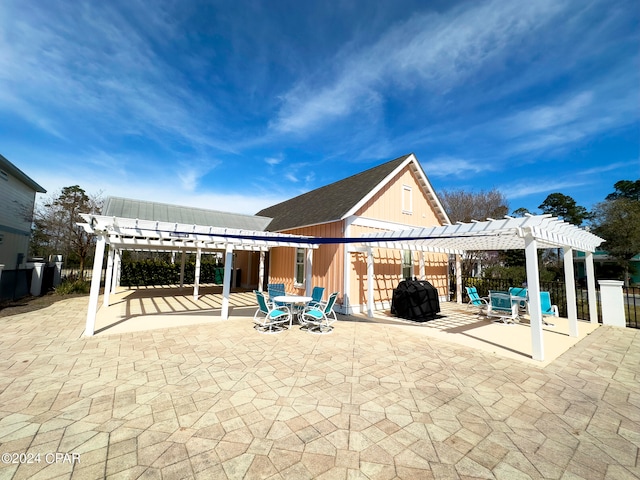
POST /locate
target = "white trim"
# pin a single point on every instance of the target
(425, 184)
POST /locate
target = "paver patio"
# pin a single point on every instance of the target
(372, 400)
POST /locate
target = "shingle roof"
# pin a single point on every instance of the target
(328, 203)
(20, 175)
(162, 212)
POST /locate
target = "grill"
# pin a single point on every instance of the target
(415, 300)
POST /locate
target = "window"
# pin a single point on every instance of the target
(407, 264)
(407, 200)
(300, 264)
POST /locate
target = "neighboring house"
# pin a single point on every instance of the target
(606, 266)
(393, 196)
(17, 198)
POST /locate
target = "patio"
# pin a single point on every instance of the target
(146, 308)
(376, 399)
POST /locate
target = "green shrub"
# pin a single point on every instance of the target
(73, 286)
(160, 272)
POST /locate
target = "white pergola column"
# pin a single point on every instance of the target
(183, 260)
(92, 310)
(570, 284)
(421, 271)
(370, 284)
(196, 281)
(309, 272)
(226, 283)
(591, 287)
(115, 280)
(459, 278)
(108, 277)
(261, 272)
(533, 286)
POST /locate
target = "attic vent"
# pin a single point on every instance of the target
(4, 175)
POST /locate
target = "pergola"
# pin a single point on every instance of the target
(529, 233)
(147, 235)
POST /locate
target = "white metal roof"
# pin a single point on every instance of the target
(137, 234)
(504, 234)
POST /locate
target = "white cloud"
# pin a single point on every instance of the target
(444, 166)
(434, 53)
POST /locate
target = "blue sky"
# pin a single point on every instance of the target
(237, 105)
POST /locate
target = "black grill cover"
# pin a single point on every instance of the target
(415, 300)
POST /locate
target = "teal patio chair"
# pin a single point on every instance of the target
(548, 310)
(319, 318)
(316, 296)
(275, 290)
(503, 307)
(269, 318)
(476, 300)
(520, 294)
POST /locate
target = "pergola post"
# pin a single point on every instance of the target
(533, 286)
(570, 285)
(591, 287)
(370, 285)
(261, 272)
(115, 281)
(226, 283)
(309, 271)
(458, 278)
(95, 285)
(196, 281)
(183, 260)
(108, 276)
(421, 271)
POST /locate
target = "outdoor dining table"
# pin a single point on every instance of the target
(297, 301)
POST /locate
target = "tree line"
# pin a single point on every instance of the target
(616, 219)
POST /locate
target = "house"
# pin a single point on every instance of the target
(17, 197)
(393, 196)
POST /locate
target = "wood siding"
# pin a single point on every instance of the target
(390, 205)
(16, 211)
(387, 204)
(328, 261)
(401, 201)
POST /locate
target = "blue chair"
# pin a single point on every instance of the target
(275, 290)
(316, 296)
(476, 300)
(503, 307)
(269, 319)
(548, 310)
(319, 318)
(520, 294)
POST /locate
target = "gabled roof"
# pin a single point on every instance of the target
(343, 198)
(163, 212)
(9, 167)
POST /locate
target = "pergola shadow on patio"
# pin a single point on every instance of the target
(147, 308)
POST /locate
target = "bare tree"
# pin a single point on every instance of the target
(464, 206)
(56, 229)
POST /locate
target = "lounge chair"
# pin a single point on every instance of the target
(476, 300)
(502, 307)
(269, 318)
(319, 318)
